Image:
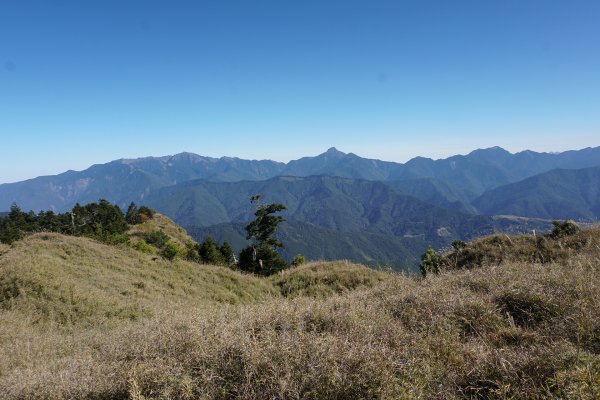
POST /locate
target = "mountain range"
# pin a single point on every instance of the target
(341, 205)
(558, 194)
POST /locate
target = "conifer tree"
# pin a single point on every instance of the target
(133, 215)
(261, 257)
(210, 253)
(227, 252)
(430, 261)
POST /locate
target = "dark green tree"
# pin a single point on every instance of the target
(48, 221)
(157, 239)
(264, 225)
(261, 257)
(210, 253)
(227, 253)
(14, 225)
(132, 216)
(430, 261)
(102, 221)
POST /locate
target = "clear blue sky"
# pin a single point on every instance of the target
(89, 81)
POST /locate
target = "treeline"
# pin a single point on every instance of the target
(101, 221)
(261, 256)
(106, 222)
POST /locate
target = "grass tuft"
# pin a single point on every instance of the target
(323, 279)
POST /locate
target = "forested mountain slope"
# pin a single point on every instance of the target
(558, 194)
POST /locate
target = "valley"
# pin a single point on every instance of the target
(340, 205)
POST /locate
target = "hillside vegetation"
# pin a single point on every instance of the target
(560, 193)
(329, 217)
(81, 319)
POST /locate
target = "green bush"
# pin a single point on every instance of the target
(261, 260)
(298, 260)
(157, 239)
(430, 261)
(144, 247)
(210, 253)
(169, 251)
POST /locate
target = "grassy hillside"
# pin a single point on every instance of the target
(69, 280)
(159, 223)
(79, 319)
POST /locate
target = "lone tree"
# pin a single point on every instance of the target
(261, 257)
(430, 262)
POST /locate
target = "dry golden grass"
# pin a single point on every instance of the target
(495, 249)
(3, 248)
(72, 280)
(161, 223)
(513, 330)
(322, 279)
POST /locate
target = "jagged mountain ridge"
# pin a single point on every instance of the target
(453, 182)
(126, 180)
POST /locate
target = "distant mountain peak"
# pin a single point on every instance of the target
(188, 156)
(333, 150)
(491, 150)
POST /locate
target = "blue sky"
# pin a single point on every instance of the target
(84, 82)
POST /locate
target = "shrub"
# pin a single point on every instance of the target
(156, 238)
(210, 253)
(261, 260)
(145, 213)
(298, 260)
(169, 251)
(430, 261)
(563, 229)
(144, 247)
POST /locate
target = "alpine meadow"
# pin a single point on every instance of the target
(326, 200)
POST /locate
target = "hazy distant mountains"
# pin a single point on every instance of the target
(123, 181)
(328, 217)
(453, 182)
(334, 203)
(341, 205)
(560, 194)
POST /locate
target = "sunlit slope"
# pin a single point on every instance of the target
(77, 280)
(497, 329)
